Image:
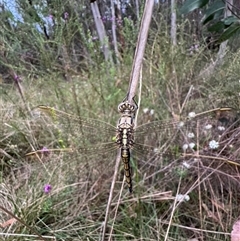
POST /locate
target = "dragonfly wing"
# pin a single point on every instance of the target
(158, 148)
(88, 135)
(195, 133)
(218, 114)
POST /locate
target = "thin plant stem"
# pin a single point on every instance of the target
(118, 160)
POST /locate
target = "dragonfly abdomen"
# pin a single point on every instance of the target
(125, 154)
(125, 141)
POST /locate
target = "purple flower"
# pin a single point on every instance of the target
(104, 19)
(47, 188)
(17, 78)
(66, 15)
(44, 150)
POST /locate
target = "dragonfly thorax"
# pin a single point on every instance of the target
(125, 127)
(126, 121)
(125, 132)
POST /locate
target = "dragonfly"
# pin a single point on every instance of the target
(125, 136)
(94, 137)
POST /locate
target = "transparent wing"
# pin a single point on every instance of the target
(163, 149)
(185, 122)
(185, 135)
(88, 136)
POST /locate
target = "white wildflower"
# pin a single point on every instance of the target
(145, 110)
(151, 112)
(186, 198)
(191, 114)
(192, 145)
(213, 144)
(181, 197)
(208, 127)
(185, 147)
(221, 128)
(186, 165)
(156, 150)
(190, 135)
(180, 124)
(13, 147)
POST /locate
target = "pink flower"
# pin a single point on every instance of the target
(44, 150)
(66, 15)
(47, 188)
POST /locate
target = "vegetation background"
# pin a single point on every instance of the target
(76, 56)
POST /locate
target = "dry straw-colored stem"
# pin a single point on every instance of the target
(139, 52)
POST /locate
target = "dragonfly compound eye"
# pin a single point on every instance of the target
(121, 107)
(126, 106)
(132, 108)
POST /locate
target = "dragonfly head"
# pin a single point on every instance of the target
(126, 107)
